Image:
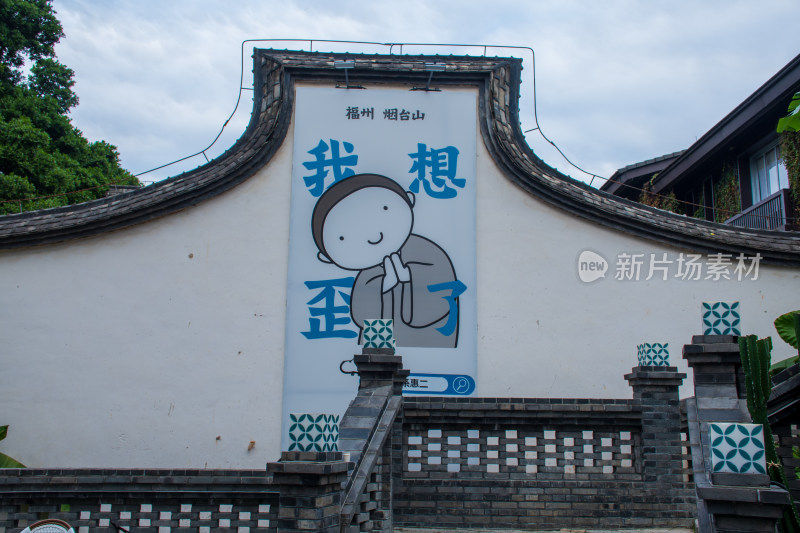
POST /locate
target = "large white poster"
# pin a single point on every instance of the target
(382, 226)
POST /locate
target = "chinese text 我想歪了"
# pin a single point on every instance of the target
(322, 164)
(326, 318)
(436, 170)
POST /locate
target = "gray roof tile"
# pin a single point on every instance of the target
(498, 80)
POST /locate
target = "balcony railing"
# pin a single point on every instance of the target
(770, 213)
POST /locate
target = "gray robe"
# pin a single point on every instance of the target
(416, 311)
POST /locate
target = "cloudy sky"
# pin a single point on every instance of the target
(617, 81)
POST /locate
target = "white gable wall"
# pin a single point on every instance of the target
(543, 331)
(121, 350)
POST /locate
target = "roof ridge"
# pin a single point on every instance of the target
(498, 81)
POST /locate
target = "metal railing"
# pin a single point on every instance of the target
(769, 214)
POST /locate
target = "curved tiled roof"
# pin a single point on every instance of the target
(627, 181)
(498, 82)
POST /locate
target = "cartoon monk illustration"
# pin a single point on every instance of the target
(364, 223)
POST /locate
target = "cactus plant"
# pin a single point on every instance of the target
(756, 355)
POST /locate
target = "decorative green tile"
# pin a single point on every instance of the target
(653, 354)
(378, 333)
(737, 448)
(313, 432)
(721, 318)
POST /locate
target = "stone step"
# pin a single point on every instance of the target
(433, 530)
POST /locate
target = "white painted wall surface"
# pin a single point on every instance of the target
(121, 350)
(543, 332)
(140, 347)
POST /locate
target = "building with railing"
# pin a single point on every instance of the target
(734, 173)
(774, 212)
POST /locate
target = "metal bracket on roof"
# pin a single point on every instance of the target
(431, 68)
(346, 65)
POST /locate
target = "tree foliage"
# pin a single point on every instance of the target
(44, 160)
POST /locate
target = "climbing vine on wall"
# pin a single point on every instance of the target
(668, 202)
(699, 202)
(726, 194)
(790, 154)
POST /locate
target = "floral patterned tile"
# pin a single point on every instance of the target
(721, 318)
(737, 448)
(653, 354)
(378, 333)
(314, 432)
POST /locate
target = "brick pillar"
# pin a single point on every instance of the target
(378, 367)
(719, 393)
(726, 502)
(368, 431)
(718, 377)
(310, 486)
(747, 509)
(656, 388)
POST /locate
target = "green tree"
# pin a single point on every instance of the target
(44, 160)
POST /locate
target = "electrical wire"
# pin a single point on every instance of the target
(239, 97)
(391, 46)
(452, 45)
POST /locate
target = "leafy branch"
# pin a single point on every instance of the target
(6, 461)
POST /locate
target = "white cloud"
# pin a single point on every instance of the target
(618, 81)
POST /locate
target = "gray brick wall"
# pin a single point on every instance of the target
(139, 500)
(435, 462)
(543, 464)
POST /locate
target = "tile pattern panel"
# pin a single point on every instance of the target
(653, 354)
(521, 451)
(721, 318)
(313, 432)
(737, 448)
(378, 333)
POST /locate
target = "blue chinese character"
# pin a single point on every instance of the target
(337, 162)
(442, 164)
(456, 288)
(330, 315)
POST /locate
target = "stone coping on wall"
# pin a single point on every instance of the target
(498, 81)
(83, 480)
(555, 411)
